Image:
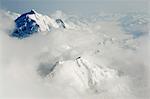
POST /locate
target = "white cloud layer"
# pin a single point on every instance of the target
(102, 42)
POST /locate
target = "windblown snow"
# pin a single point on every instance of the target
(99, 57)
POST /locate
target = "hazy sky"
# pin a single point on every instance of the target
(75, 6)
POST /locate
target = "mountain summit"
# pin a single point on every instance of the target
(33, 22)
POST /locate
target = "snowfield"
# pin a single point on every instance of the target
(99, 57)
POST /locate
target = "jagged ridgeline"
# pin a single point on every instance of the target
(32, 22)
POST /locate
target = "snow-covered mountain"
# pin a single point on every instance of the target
(33, 22)
(83, 73)
(94, 57)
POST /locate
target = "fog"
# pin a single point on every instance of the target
(24, 63)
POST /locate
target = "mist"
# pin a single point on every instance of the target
(24, 63)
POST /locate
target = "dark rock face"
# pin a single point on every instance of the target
(25, 26)
(60, 23)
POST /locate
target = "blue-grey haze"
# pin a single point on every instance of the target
(75, 6)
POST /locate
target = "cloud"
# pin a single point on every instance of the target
(103, 42)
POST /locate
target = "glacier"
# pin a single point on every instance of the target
(99, 57)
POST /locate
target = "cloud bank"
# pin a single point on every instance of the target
(102, 42)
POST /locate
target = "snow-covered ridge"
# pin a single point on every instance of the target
(84, 73)
(43, 21)
(33, 22)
